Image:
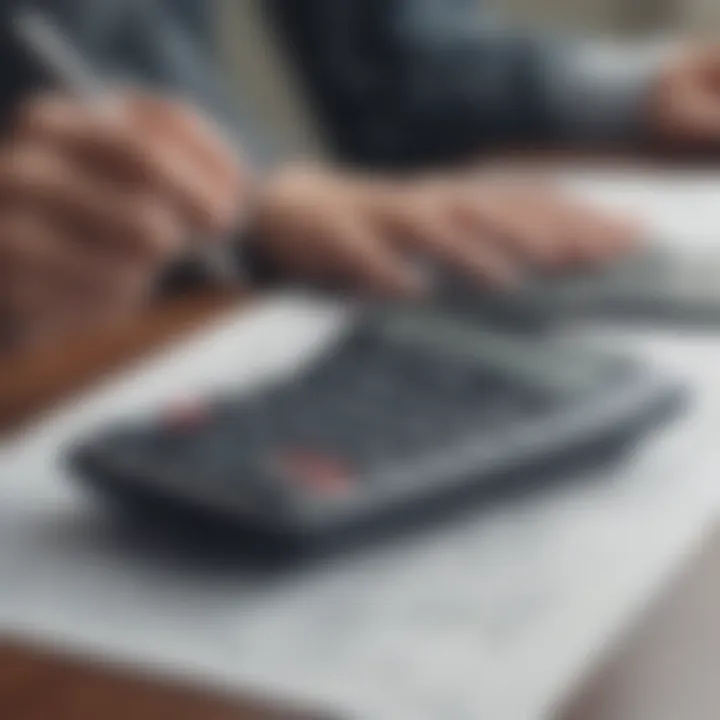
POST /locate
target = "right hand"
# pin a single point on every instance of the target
(365, 232)
(96, 201)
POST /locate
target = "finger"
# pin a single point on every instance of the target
(491, 213)
(111, 218)
(574, 234)
(704, 63)
(50, 273)
(185, 126)
(701, 123)
(117, 150)
(364, 259)
(425, 225)
(591, 236)
(26, 289)
(535, 206)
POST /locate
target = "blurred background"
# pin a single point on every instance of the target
(258, 71)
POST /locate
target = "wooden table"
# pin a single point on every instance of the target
(36, 685)
(32, 381)
(666, 671)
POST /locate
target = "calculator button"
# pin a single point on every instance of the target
(315, 471)
(187, 416)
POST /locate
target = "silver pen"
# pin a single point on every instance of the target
(48, 45)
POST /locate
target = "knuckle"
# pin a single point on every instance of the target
(48, 117)
(191, 118)
(17, 162)
(148, 161)
(35, 114)
(154, 226)
(126, 140)
(26, 167)
(114, 132)
(186, 116)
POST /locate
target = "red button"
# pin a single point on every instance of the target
(187, 416)
(317, 471)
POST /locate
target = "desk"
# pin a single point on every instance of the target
(31, 382)
(627, 688)
(35, 685)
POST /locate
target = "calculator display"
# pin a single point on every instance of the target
(541, 361)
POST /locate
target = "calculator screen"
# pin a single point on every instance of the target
(536, 359)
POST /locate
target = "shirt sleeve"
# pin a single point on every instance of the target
(416, 82)
(600, 90)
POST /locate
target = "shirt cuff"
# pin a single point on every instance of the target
(599, 91)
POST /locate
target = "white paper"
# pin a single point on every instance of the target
(495, 616)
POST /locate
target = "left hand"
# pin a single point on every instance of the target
(685, 106)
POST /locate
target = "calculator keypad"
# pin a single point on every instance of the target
(366, 406)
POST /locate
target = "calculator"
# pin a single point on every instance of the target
(658, 286)
(408, 411)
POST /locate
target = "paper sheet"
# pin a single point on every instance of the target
(495, 616)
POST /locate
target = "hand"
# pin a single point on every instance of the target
(332, 226)
(94, 202)
(685, 107)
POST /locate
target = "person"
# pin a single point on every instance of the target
(413, 83)
(96, 202)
